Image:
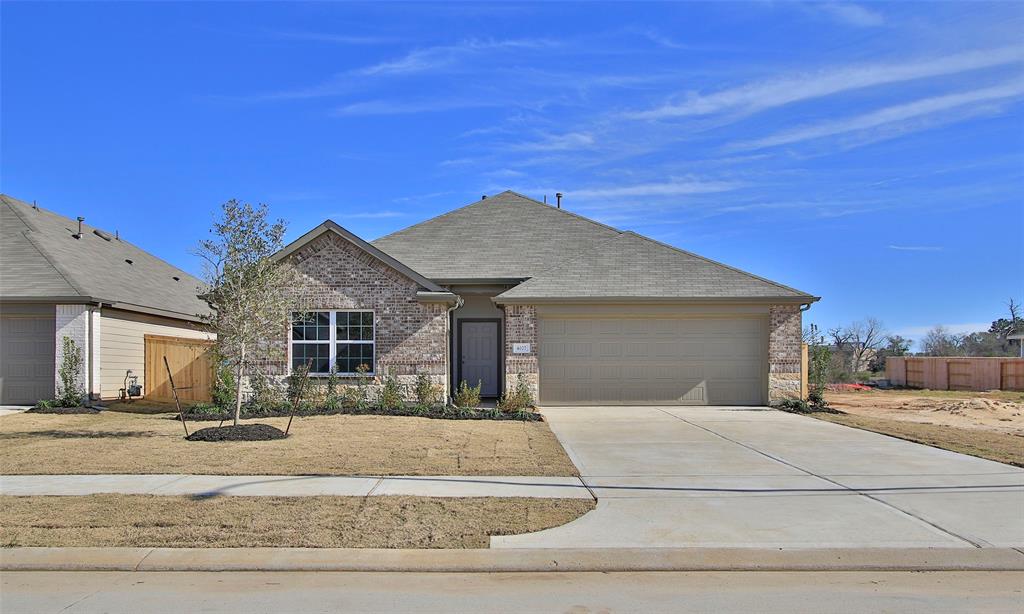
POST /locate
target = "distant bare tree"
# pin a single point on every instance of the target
(247, 289)
(867, 337)
(940, 342)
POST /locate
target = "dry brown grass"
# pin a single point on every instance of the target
(1001, 447)
(112, 442)
(249, 522)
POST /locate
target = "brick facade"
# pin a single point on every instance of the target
(411, 337)
(784, 339)
(521, 327)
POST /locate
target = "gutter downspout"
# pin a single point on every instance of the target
(91, 335)
(448, 350)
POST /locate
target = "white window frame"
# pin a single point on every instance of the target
(333, 341)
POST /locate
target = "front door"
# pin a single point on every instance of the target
(479, 355)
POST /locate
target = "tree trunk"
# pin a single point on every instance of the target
(238, 385)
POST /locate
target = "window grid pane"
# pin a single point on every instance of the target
(353, 341)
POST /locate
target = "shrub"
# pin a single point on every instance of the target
(794, 405)
(332, 395)
(427, 392)
(223, 391)
(45, 404)
(265, 394)
(466, 396)
(517, 398)
(391, 396)
(207, 409)
(360, 396)
(298, 384)
(70, 392)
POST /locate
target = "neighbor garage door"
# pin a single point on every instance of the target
(26, 359)
(679, 361)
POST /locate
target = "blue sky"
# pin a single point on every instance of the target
(871, 153)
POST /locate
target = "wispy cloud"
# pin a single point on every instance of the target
(961, 328)
(679, 187)
(429, 59)
(916, 248)
(407, 107)
(785, 90)
(557, 142)
(849, 13)
(886, 116)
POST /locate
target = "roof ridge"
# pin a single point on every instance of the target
(565, 211)
(436, 217)
(48, 257)
(482, 200)
(721, 264)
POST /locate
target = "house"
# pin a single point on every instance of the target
(509, 287)
(62, 278)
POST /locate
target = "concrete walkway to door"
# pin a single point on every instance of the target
(755, 477)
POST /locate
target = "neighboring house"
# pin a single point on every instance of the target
(61, 278)
(510, 287)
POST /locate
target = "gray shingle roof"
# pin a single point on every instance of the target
(631, 266)
(508, 236)
(39, 258)
(563, 255)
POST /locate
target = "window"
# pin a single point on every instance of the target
(344, 339)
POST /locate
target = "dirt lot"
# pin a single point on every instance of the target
(309, 522)
(997, 411)
(985, 424)
(113, 442)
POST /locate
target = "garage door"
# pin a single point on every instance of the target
(678, 361)
(26, 359)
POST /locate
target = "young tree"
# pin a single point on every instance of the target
(247, 290)
(895, 345)
(940, 342)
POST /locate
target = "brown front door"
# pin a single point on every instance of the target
(479, 355)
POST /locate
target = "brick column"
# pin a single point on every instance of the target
(521, 327)
(784, 338)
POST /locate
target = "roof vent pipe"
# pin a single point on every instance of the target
(78, 235)
(558, 199)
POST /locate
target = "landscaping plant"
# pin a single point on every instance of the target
(246, 288)
(518, 398)
(70, 392)
(392, 395)
(468, 397)
(428, 394)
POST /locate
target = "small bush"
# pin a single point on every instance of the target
(44, 404)
(517, 398)
(392, 394)
(332, 393)
(816, 397)
(223, 390)
(265, 394)
(467, 397)
(206, 410)
(428, 394)
(70, 392)
(794, 405)
(298, 385)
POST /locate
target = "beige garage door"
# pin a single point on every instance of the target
(679, 361)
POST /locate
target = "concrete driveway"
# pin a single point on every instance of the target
(755, 477)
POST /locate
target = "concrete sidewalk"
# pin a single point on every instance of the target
(511, 560)
(295, 485)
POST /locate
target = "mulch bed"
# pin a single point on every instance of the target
(435, 413)
(242, 432)
(62, 410)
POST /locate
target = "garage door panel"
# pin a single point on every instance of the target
(26, 359)
(645, 360)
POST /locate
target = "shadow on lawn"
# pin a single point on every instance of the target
(58, 434)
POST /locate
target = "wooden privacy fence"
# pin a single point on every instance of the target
(190, 363)
(956, 372)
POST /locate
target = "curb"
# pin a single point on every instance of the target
(511, 560)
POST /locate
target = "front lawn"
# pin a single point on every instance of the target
(291, 522)
(114, 442)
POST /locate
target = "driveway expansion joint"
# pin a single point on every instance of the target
(972, 542)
